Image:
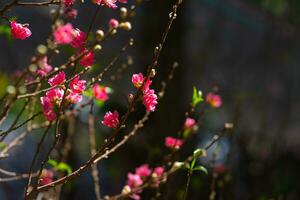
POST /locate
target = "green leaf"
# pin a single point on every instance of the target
(197, 97)
(201, 168)
(64, 167)
(53, 163)
(2, 145)
(99, 103)
(193, 163)
(88, 93)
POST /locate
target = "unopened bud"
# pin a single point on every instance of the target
(42, 49)
(126, 189)
(99, 35)
(152, 73)
(11, 89)
(229, 125)
(123, 12)
(125, 26)
(98, 47)
(32, 68)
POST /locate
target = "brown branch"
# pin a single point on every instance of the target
(92, 139)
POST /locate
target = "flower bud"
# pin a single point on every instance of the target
(125, 26)
(123, 12)
(99, 35)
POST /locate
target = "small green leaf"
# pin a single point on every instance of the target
(64, 167)
(2, 145)
(199, 152)
(53, 163)
(88, 93)
(201, 168)
(197, 97)
(99, 103)
(193, 163)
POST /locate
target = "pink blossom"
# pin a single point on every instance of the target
(108, 3)
(123, 1)
(214, 100)
(44, 67)
(57, 79)
(135, 196)
(150, 100)
(189, 123)
(146, 86)
(71, 13)
(68, 3)
(134, 180)
(137, 80)
(88, 59)
(19, 31)
(143, 171)
(49, 114)
(111, 120)
(173, 143)
(64, 34)
(74, 97)
(77, 86)
(159, 171)
(79, 39)
(113, 23)
(46, 177)
(100, 92)
(48, 108)
(55, 95)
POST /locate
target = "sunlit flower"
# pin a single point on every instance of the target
(77, 85)
(137, 80)
(88, 59)
(111, 120)
(19, 31)
(57, 79)
(79, 39)
(64, 34)
(150, 100)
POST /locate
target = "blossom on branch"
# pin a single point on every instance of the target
(19, 31)
(111, 120)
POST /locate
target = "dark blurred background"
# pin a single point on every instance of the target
(248, 49)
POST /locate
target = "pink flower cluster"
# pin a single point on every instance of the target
(142, 173)
(54, 96)
(77, 87)
(19, 31)
(66, 34)
(109, 3)
(173, 143)
(111, 120)
(214, 100)
(149, 96)
(46, 177)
